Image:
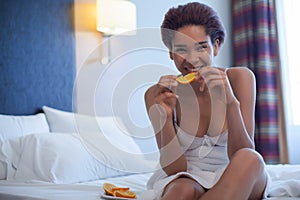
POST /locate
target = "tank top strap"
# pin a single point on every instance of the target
(226, 69)
(174, 117)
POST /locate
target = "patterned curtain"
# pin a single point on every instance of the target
(255, 46)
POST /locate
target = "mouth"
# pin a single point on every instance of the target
(193, 68)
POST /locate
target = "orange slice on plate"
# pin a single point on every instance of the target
(121, 192)
(119, 189)
(125, 194)
(187, 78)
(108, 188)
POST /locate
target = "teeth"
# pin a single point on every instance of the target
(194, 69)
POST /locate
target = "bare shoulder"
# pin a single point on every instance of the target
(239, 75)
(243, 83)
(149, 93)
(149, 90)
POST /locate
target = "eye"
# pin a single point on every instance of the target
(180, 50)
(201, 47)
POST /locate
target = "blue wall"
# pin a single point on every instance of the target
(37, 55)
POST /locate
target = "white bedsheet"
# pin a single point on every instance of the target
(285, 180)
(87, 191)
(285, 186)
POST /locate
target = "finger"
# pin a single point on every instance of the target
(167, 77)
(212, 74)
(164, 96)
(167, 80)
(208, 70)
(167, 100)
(169, 83)
(214, 81)
(202, 71)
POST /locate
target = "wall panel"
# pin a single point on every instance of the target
(37, 59)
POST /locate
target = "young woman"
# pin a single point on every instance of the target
(204, 129)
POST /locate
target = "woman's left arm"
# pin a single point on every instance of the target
(241, 110)
(237, 91)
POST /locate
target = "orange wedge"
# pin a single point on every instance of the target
(113, 190)
(187, 78)
(108, 188)
(119, 189)
(124, 194)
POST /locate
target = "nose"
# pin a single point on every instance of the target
(197, 58)
(193, 57)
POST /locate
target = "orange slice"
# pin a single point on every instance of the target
(108, 188)
(125, 194)
(119, 189)
(187, 78)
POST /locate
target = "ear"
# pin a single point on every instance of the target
(171, 55)
(216, 47)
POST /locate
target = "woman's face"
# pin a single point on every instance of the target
(192, 48)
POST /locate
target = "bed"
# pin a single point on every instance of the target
(63, 155)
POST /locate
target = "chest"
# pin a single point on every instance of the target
(193, 116)
(199, 117)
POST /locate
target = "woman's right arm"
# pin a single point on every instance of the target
(160, 103)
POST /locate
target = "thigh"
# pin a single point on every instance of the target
(183, 188)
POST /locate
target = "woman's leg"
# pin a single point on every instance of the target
(244, 178)
(183, 188)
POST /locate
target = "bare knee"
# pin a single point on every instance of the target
(250, 167)
(183, 188)
(250, 159)
(255, 167)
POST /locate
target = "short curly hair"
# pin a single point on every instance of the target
(194, 13)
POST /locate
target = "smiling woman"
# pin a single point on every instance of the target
(204, 129)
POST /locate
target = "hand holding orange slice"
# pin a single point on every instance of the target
(187, 78)
(113, 190)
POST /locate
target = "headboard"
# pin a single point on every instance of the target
(37, 59)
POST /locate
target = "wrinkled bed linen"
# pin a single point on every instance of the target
(285, 180)
(285, 186)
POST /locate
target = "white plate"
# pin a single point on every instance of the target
(105, 196)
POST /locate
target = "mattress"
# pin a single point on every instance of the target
(285, 186)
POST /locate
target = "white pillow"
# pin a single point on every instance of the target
(15, 126)
(60, 121)
(110, 127)
(102, 134)
(69, 122)
(54, 157)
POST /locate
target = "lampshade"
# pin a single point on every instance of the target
(115, 16)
